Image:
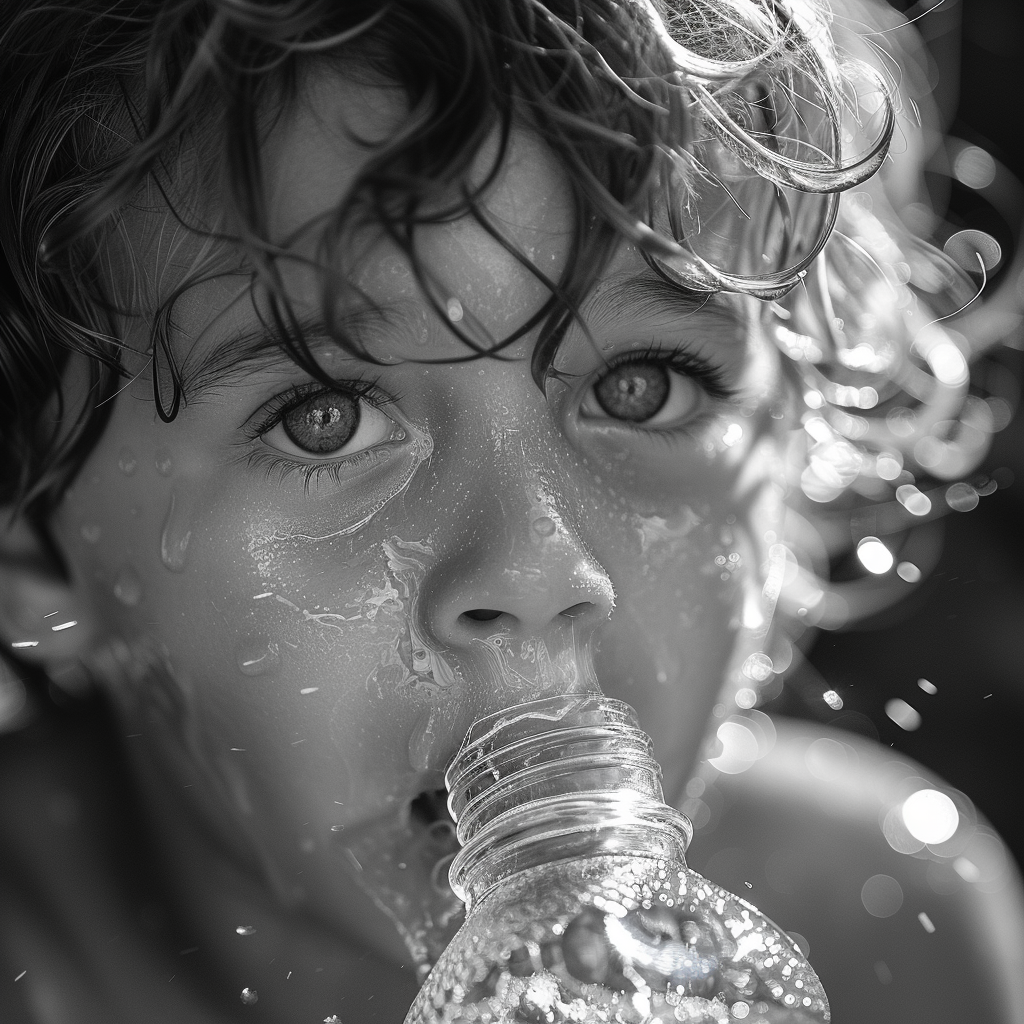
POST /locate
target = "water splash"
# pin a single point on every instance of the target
(257, 656)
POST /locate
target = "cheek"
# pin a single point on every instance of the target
(690, 586)
(278, 664)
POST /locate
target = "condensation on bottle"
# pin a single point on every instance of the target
(580, 905)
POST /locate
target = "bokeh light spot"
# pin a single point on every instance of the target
(881, 895)
(903, 714)
(888, 466)
(948, 364)
(908, 571)
(739, 748)
(758, 667)
(962, 497)
(874, 555)
(746, 697)
(832, 699)
(930, 816)
(916, 503)
(974, 167)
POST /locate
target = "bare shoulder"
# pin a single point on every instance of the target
(911, 905)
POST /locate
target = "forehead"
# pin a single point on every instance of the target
(311, 160)
(314, 157)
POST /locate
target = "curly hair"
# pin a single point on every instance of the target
(678, 122)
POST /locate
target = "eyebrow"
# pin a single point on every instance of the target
(249, 352)
(645, 296)
(636, 296)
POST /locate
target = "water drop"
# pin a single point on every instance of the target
(246, 929)
(544, 526)
(257, 657)
(128, 587)
(126, 461)
(174, 538)
(454, 310)
(249, 996)
(163, 462)
(90, 533)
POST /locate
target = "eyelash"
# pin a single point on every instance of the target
(710, 377)
(280, 405)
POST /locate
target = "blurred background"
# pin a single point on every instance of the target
(940, 677)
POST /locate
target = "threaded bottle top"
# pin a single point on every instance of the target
(531, 779)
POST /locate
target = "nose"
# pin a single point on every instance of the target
(518, 595)
(524, 589)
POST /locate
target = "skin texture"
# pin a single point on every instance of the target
(296, 659)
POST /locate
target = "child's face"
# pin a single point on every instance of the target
(303, 637)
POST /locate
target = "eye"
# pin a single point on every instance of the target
(645, 392)
(329, 423)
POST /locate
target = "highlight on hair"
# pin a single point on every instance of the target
(880, 340)
(715, 134)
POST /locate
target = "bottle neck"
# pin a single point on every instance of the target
(560, 777)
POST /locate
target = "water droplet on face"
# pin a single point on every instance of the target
(544, 526)
(128, 587)
(245, 929)
(249, 996)
(163, 462)
(126, 461)
(174, 538)
(90, 533)
(257, 657)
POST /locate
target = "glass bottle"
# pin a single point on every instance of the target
(580, 906)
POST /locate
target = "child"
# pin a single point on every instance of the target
(369, 367)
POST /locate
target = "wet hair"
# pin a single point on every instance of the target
(665, 115)
(717, 135)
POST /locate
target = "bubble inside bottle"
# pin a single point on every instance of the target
(619, 940)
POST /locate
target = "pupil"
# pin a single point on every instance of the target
(323, 424)
(633, 391)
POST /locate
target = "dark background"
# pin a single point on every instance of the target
(962, 629)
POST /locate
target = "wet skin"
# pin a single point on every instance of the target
(297, 642)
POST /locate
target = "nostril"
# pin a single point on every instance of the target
(576, 610)
(480, 614)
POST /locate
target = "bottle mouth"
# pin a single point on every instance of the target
(562, 746)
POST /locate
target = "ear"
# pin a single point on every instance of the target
(46, 618)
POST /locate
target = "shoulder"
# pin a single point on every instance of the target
(819, 834)
(83, 932)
